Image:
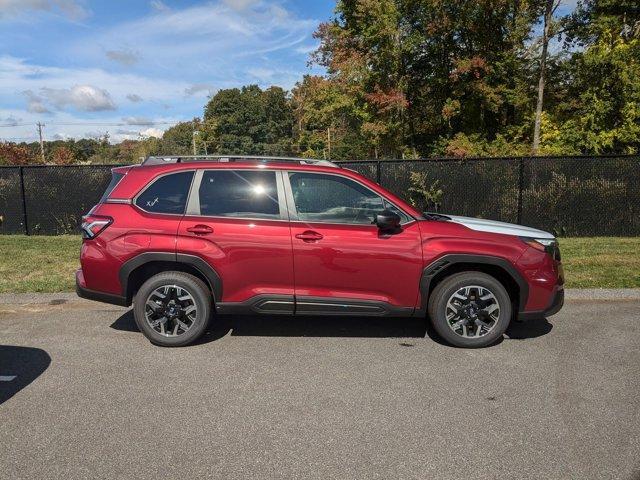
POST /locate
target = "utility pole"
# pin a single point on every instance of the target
(329, 142)
(40, 125)
(193, 142)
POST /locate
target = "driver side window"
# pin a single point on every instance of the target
(333, 199)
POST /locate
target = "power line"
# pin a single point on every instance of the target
(16, 125)
(109, 124)
(114, 124)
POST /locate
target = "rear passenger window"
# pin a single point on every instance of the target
(168, 194)
(245, 194)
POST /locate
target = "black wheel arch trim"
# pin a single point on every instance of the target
(444, 262)
(178, 258)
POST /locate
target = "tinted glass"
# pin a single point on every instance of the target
(115, 178)
(246, 194)
(168, 194)
(331, 198)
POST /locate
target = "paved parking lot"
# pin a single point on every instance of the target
(84, 395)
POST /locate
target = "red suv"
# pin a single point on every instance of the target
(188, 238)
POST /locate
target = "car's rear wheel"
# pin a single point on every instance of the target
(470, 309)
(172, 308)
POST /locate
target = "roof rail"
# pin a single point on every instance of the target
(161, 160)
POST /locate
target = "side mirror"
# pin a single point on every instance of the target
(388, 221)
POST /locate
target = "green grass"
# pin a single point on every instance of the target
(47, 264)
(38, 263)
(601, 262)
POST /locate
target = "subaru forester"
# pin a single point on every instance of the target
(185, 239)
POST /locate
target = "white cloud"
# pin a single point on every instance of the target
(71, 124)
(262, 74)
(85, 98)
(17, 75)
(159, 5)
(240, 4)
(35, 104)
(207, 39)
(199, 88)
(152, 132)
(125, 56)
(10, 120)
(137, 121)
(71, 9)
(305, 49)
(176, 57)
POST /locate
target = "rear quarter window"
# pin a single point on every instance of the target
(166, 194)
(115, 179)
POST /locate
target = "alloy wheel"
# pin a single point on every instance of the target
(170, 310)
(472, 311)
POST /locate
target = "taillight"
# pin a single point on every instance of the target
(93, 225)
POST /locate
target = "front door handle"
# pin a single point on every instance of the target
(309, 236)
(200, 229)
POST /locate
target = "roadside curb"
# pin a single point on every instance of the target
(610, 294)
(573, 294)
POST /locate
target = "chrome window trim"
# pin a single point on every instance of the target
(154, 180)
(193, 206)
(293, 212)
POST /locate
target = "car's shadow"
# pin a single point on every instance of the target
(19, 366)
(332, 326)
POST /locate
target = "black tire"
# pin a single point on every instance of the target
(443, 292)
(202, 299)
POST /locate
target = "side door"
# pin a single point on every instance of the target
(343, 263)
(237, 222)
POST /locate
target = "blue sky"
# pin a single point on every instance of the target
(86, 64)
(135, 67)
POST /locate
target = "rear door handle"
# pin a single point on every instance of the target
(309, 236)
(200, 229)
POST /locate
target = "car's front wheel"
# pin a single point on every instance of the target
(470, 309)
(172, 308)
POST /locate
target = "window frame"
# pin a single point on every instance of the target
(293, 212)
(154, 180)
(193, 202)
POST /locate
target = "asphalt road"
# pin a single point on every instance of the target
(84, 395)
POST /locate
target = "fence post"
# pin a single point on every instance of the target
(378, 174)
(24, 201)
(520, 188)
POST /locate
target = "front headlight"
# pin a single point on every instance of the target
(548, 245)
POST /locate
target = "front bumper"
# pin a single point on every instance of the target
(556, 304)
(84, 292)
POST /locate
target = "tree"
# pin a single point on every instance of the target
(62, 155)
(250, 120)
(547, 34)
(178, 140)
(600, 111)
(13, 154)
(326, 120)
(423, 70)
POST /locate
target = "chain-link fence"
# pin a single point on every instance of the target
(571, 196)
(49, 200)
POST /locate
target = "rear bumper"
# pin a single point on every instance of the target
(84, 292)
(556, 304)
